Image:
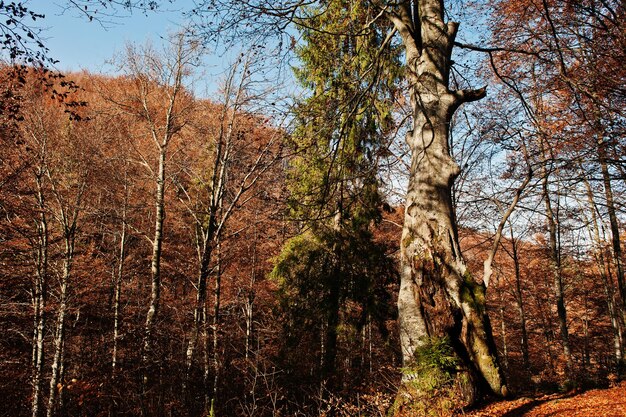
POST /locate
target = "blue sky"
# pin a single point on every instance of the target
(78, 43)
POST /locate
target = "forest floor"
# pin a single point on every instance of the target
(593, 403)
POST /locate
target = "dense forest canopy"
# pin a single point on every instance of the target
(435, 219)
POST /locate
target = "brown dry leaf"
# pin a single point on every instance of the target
(594, 403)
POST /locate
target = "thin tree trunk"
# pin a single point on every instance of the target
(39, 299)
(615, 234)
(605, 275)
(216, 322)
(487, 264)
(332, 322)
(505, 347)
(207, 363)
(117, 294)
(555, 257)
(201, 297)
(59, 338)
(249, 303)
(519, 301)
(62, 392)
(211, 234)
(155, 270)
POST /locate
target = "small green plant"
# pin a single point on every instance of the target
(437, 353)
(433, 384)
(435, 364)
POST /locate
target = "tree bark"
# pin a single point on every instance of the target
(605, 273)
(155, 268)
(39, 297)
(438, 296)
(216, 323)
(200, 307)
(555, 257)
(118, 291)
(505, 347)
(59, 338)
(519, 301)
(615, 234)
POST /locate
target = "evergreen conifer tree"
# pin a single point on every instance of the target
(340, 136)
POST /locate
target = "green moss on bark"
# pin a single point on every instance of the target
(473, 293)
(434, 383)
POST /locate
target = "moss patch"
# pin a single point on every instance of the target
(473, 293)
(433, 385)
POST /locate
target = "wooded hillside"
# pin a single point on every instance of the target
(392, 240)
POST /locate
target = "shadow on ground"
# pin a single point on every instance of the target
(525, 408)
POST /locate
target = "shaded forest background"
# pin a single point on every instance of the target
(143, 230)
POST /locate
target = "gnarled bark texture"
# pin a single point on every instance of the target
(438, 297)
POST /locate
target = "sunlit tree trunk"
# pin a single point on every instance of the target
(118, 288)
(505, 346)
(59, 336)
(605, 273)
(206, 362)
(215, 326)
(248, 308)
(66, 214)
(519, 301)
(39, 296)
(555, 258)
(218, 211)
(613, 222)
(155, 266)
(210, 233)
(438, 296)
(158, 78)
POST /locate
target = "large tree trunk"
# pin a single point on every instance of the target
(438, 297)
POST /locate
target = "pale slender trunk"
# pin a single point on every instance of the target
(206, 362)
(613, 222)
(216, 323)
(39, 300)
(155, 269)
(505, 347)
(62, 392)
(210, 234)
(555, 258)
(117, 293)
(249, 302)
(605, 275)
(38, 351)
(59, 337)
(201, 295)
(545, 316)
(487, 264)
(519, 301)
(248, 313)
